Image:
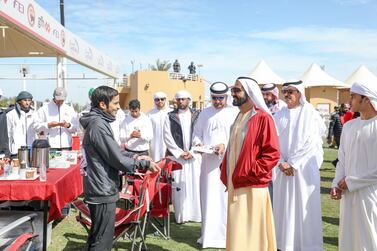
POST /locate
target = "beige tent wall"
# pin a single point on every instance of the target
(142, 85)
(321, 96)
(344, 96)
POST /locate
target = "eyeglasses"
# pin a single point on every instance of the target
(235, 90)
(159, 99)
(290, 92)
(218, 97)
(180, 99)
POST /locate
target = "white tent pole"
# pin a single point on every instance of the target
(64, 66)
(61, 72)
(58, 72)
(24, 83)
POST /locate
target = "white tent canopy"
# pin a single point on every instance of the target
(27, 30)
(361, 74)
(263, 74)
(315, 76)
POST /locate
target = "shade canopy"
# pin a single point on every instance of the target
(27, 30)
(361, 74)
(263, 74)
(315, 76)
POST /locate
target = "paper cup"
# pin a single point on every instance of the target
(16, 162)
(30, 173)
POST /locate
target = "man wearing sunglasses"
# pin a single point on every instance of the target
(178, 130)
(297, 202)
(158, 116)
(212, 131)
(271, 98)
(246, 170)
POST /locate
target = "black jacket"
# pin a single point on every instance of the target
(4, 140)
(335, 127)
(104, 159)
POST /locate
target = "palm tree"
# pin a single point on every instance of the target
(160, 65)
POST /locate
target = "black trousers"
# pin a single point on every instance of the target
(102, 231)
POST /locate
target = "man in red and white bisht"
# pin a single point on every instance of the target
(246, 170)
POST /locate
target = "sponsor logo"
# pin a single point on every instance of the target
(44, 25)
(109, 66)
(100, 60)
(31, 15)
(74, 46)
(62, 38)
(88, 53)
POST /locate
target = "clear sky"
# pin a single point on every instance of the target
(227, 37)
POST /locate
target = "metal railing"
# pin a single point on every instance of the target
(180, 76)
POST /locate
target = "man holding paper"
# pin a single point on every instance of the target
(212, 131)
(178, 130)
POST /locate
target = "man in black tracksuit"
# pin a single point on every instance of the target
(104, 161)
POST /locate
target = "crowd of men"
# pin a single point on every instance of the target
(55, 121)
(250, 161)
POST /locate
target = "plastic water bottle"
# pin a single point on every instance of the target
(7, 169)
(42, 172)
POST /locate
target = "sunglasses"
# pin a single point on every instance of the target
(159, 99)
(235, 90)
(180, 99)
(218, 97)
(290, 92)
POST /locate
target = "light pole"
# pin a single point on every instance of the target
(133, 64)
(62, 21)
(24, 70)
(61, 62)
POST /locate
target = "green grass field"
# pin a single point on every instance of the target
(70, 235)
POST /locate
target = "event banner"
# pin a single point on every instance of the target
(30, 18)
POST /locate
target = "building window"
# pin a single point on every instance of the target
(195, 104)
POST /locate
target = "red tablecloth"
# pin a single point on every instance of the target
(62, 186)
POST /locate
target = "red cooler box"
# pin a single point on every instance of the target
(76, 143)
